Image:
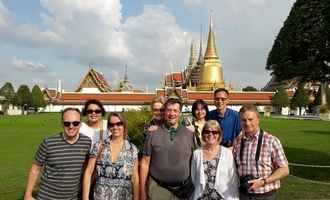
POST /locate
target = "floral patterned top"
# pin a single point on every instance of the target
(210, 171)
(114, 179)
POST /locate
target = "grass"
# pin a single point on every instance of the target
(304, 142)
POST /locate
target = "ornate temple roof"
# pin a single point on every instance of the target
(94, 79)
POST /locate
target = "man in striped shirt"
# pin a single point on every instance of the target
(261, 172)
(62, 159)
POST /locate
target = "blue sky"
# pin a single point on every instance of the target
(47, 40)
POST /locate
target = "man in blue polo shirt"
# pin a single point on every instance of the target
(227, 118)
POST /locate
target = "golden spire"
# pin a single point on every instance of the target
(211, 50)
(200, 60)
(211, 74)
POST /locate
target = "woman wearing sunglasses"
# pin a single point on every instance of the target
(95, 127)
(213, 170)
(116, 165)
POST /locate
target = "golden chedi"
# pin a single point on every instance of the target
(211, 75)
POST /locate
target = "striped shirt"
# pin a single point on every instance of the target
(271, 157)
(62, 167)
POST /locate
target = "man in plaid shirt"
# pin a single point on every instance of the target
(272, 164)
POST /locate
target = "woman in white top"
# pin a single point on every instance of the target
(213, 170)
(95, 127)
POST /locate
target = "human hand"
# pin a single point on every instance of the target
(191, 127)
(28, 197)
(257, 183)
(152, 128)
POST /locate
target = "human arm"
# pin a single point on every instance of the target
(87, 177)
(144, 172)
(135, 180)
(278, 174)
(279, 162)
(32, 179)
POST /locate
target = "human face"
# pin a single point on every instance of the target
(71, 131)
(211, 136)
(116, 127)
(172, 114)
(200, 112)
(249, 123)
(94, 113)
(221, 101)
(157, 111)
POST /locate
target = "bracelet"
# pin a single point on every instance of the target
(264, 181)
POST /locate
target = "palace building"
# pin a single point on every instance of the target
(202, 75)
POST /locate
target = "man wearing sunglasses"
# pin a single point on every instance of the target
(62, 158)
(226, 117)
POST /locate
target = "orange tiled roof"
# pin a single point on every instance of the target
(107, 98)
(132, 98)
(97, 78)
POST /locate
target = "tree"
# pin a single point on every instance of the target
(280, 99)
(8, 92)
(300, 98)
(23, 97)
(37, 98)
(302, 47)
(249, 88)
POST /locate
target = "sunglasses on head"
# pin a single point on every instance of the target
(115, 124)
(207, 132)
(90, 111)
(68, 124)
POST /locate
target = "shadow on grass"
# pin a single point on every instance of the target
(309, 157)
(316, 132)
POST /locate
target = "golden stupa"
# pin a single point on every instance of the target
(211, 74)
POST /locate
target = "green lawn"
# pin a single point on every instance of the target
(304, 142)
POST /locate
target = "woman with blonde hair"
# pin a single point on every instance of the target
(116, 165)
(213, 170)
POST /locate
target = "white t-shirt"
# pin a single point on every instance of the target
(94, 133)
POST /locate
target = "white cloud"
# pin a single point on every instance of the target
(27, 65)
(85, 32)
(4, 15)
(155, 39)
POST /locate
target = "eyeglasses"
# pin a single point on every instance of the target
(111, 125)
(158, 109)
(220, 99)
(68, 124)
(90, 111)
(207, 132)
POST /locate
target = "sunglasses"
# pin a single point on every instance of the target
(207, 132)
(89, 111)
(111, 125)
(68, 124)
(220, 99)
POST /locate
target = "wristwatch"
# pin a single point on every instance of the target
(264, 181)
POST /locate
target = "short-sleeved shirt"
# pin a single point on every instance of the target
(94, 133)
(170, 158)
(271, 157)
(230, 124)
(62, 166)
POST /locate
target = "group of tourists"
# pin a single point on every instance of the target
(221, 154)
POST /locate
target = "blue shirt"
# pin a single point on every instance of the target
(230, 125)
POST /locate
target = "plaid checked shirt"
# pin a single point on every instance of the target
(271, 157)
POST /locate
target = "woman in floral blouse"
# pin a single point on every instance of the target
(115, 163)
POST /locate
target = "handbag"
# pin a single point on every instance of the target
(182, 190)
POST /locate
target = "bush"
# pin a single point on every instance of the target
(136, 121)
(325, 108)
